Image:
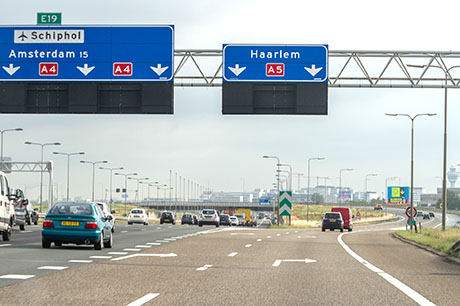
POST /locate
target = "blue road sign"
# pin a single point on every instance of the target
(275, 63)
(87, 53)
(264, 201)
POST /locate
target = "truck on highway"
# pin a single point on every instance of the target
(249, 219)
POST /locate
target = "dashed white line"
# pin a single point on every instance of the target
(144, 299)
(258, 240)
(5, 245)
(153, 243)
(203, 268)
(233, 254)
(131, 250)
(118, 253)
(277, 235)
(80, 261)
(16, 276)
(123, 231)
(162, 241)
(248, 245)
(418, 298)
(143, 246)
(52, 268)
(170, 239)
(100, 257)
(269, 237)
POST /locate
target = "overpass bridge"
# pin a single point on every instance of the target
(184, 206)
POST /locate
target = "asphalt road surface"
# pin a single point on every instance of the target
(230, 266)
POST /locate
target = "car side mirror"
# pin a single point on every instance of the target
(113, 212)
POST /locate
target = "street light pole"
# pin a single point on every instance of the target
(277, 188)
(126, 185)
(94, 172)
(111, 172)
(367, 175)
(1, 150)
(412, 159)
(42, 145)
(68, 168)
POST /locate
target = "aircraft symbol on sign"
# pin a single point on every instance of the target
(237, 70)
(22, 36)
(313, 70)
(11, 69)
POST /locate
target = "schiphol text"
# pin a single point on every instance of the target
(47, 54)
(275, 54)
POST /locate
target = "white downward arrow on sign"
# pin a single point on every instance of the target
(313, 70)
(237, 70)
(158, 69)
(11, 69)
(278, 261)
(85, 69)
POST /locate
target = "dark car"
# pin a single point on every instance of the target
(32, 214)
(225, 220)
(332, 221)
(79, 223)
(187, 219)
(20, 210)
(426, 216)
(167, 217)
(431, 214)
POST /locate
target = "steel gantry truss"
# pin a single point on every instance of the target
(353, 69)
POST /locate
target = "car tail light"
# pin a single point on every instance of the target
(48, 223)
(201, 216)
(91, 225)
(215, 216)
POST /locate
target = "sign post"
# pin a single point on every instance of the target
(285, 206)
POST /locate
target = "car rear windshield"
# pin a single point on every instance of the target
(71, 209)
(208, 212)
(333, 215)
(137, 211)
(167, 214)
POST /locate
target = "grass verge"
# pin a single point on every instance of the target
(434, 238)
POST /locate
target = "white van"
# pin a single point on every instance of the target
(6, 209)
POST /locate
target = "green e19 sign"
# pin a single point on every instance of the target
(49, 18)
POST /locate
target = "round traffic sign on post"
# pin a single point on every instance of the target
(408, 212)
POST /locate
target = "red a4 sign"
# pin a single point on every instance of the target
(48, 69)
(122, 69)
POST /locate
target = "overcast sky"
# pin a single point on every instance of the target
(202, 145)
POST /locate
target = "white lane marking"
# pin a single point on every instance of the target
(131, 250)
(258, 240)
(118, 253)
(100, 257)
(233, 254)
(418, 298)
(153, 243)
(25, 231)
(248, 245)
(80, 261)
(203, 268)
(170, 239)
(123, 231)
(144, 299)
(277, 235)
(162, 241)
(287, 233)
(145, 255)
(296, 232)
(279, 261)
(5, 245)
(52, 268)
(313, 237)
(158, 227)
(249, 234)
(16, 276)
(269, 237)
(143, 246)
